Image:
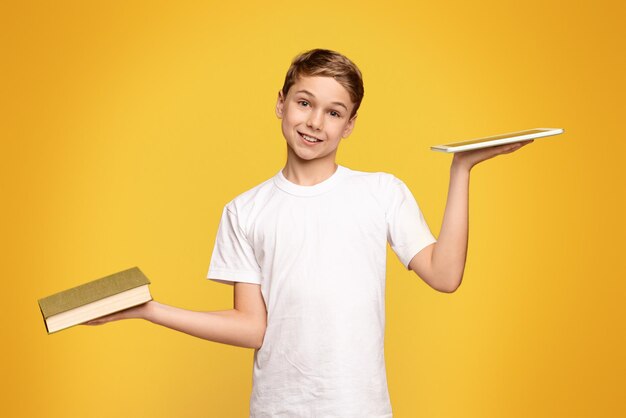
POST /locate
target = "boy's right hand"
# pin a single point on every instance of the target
(243, 326)
(136, 312)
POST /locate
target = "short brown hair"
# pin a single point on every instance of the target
(327, 63)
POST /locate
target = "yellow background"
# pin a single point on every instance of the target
(127, 126)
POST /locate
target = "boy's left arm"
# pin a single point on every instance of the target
(441, 264)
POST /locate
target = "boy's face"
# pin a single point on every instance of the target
(316, 108)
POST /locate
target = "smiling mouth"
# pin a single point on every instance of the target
(309, 138)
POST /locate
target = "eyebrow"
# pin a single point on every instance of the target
(312, 95)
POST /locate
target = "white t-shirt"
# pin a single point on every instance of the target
(319, 254)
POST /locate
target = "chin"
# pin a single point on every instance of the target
(306, 156)
(302, 154)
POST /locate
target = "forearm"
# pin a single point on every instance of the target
(450, 251)
(228, 327)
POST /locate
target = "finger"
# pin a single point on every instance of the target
(514, 146)
(104, 319)
(522, 144)
(99, 321)
(501, 149)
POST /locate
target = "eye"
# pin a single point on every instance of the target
(303, 103)
(335, 114)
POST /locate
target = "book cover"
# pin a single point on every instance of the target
(96, 294)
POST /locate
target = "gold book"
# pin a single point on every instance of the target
(94, 299)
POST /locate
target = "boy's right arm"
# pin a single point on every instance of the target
(243, 326)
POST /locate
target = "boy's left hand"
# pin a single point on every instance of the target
(468, 159)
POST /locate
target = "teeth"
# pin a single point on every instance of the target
(310, 139)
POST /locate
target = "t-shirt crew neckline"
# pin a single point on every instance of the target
(295, 189)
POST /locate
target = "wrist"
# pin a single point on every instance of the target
(460, 166)
(148, 310)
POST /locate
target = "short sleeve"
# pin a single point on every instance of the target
(233, 257)
(407, 231)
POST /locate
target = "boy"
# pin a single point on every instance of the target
(306, 253)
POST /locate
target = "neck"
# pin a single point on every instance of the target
(309, 172)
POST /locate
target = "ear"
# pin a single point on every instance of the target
(280, 103)
(349, 127)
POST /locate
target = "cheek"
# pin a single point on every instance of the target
(292, 117)
(285, 126)
(339, 130)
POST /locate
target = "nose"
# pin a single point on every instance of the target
(316, 119)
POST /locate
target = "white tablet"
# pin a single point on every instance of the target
(492, 141)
